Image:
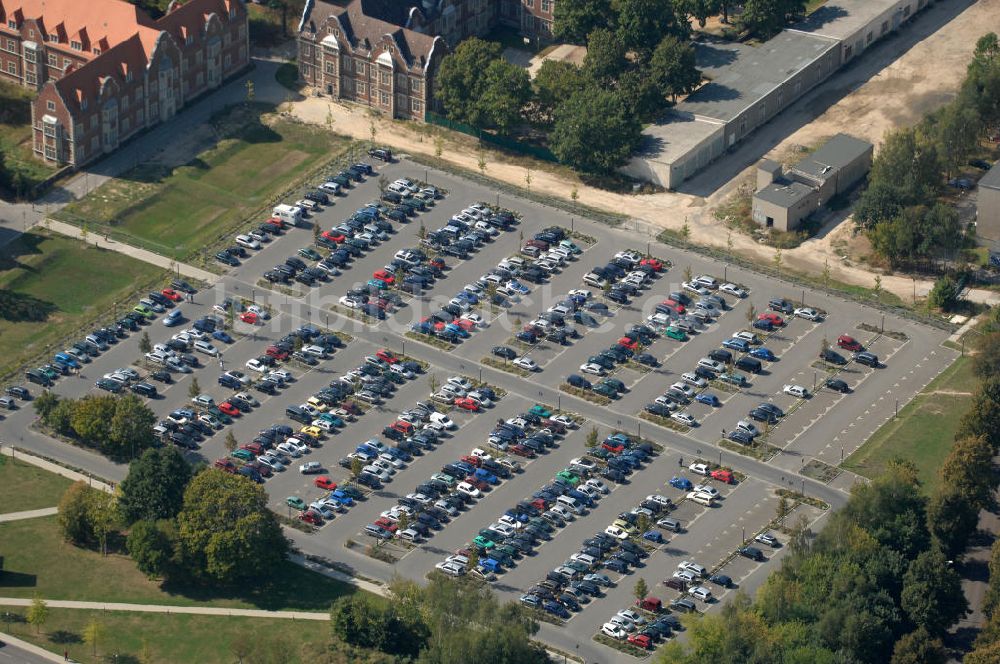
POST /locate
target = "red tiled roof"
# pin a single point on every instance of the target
(116, 62)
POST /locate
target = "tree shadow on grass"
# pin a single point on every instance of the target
(20, 307)
(10, 579)
(64, 637)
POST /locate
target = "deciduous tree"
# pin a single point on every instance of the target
(151, 545)
(952, 519)
(593, 132)
(672, 67)
(575, 19)
(932, 593)
(38, 613)
(605, 60)
(969, 469)
(155, 484)
(641, 24)
(555, 81)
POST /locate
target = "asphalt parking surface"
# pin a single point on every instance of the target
(827, 426)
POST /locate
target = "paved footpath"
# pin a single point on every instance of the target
(160, 608)
(28, 514)
(44, 464)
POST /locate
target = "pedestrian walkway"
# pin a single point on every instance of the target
(135, 252)
(40, 653)
(337, 575)
(45, 464)
(159, 608)
(28, 514)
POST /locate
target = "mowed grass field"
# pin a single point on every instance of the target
(26, 487)
(181, 211)
(51, 285)
(925, 429)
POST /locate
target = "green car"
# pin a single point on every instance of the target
(539, 410)
(244, 455)
(605, 390)
(676, 333)
(219, 415)
(144, 310)
(484, 543)
(310, 253)
(734, 379)
(49, 372)
(568, 476)
(508, 551)
(571, 246)
(332, 419)
(295, 502)
(447, 479)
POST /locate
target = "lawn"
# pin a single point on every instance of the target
(38, 561)
(924, 431)
(154, 638)
(181, 211)
(51, 285)
(15, 135)
(26, 487)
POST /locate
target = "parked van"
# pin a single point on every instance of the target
(701, 498)
(751, 364)
(572, 504)
(290, 214)
(668, 523)
(409, 535)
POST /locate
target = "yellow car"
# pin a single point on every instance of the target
(313, 431)
(626, 526)
(317, 404)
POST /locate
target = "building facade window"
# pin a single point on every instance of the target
(384, 98)
(329, 67)
(416, 84)
(30, 78)
(53, 60)
(362, 88)
(50, 105)
(12, 68)
(12, 24)
(50, 153)
(66, 63)
(76, 46)
(416, 106)
(384, 77)
(547, 6)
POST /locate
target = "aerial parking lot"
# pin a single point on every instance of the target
(461, 384)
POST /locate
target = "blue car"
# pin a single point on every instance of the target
(682, 483)
(518, 287)
(341, 498)
(228, 381)
(68, 360)
(173, 318)
(221, 335)
(763, 354)
(486, 476)
(456, 330)
(708, 398)
(471, 298)
(763, 324)
(654, 536)
(620, 438)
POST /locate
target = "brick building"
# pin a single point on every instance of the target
(105, 70)
(384, 53)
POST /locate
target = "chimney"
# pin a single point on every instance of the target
(768, 171)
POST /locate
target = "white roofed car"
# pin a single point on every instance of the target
(247, 241)
(733, 289)
(807, 313)
(796, 391)
(525, 363)
(467, 489)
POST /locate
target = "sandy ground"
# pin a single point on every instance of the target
(921, 79)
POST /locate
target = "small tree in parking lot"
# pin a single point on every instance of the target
(356, 466)
(642, 523)
(194, 389)
(824, 345)
(315, 231)
(473, 559)
(145, 345)
(751, 314)
(687, 273)
(231, 443)
(383, 183)
(592, 437)
(432, 382)
(783, 510)
(404, 521)
(641, 589)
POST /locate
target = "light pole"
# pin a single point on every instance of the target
(814, 381)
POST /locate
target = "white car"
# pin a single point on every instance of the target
(384, 465)
(280, 374)
(633, 616)
(706, 281)
(702, 593)
(565, 420)
(683, 387)
(711, 365)
(581, 462)
(310, 467)
(475, 319)
(796, 391)
(707, 489)
(306, 204)
(807, 313)
(393, 462)
(401, 370)
(247, 241)
(290, 450)
(612, 630)
(526, 363)
(331, 188)
(700, 468)
(380, 473)
(467, 489)
(443, 420)
(684, 575)
(663, 501)
(748, 426)
(562, 512)
(460, 381)
(733, 289)
(271, 463)
(453, 391)
(694, 379)
(622, 622)
(692, 567)
(260, 311)
(451, 568)
(683, 418)
(766, 538)
(510, 522)
(692, 287)
(616, 532)
(585, 294)
(592, 368)
(598, 485)
(481, 399)
(350, 302)
(504, 529)
(256, 366)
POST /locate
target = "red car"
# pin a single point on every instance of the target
(386, 355)
(225, 465)
(249, 317)
(677, 306)
(774, 318)
(521, 450)
(437, 263)
(229, 409)
(640, 640)
(849, 343)
(471, 460)
(465, 403)
(554, 427)
(540, 504)
(171, 295)
(334, 236)
(384, 276)
(402, 427)
(276, 353)
(465, 324)
(478, 483)
(613, 447)
(653, 604)
(387, 524)
(311, 518)
(724, 476)
(274, 221)
(628, 342)
(265, 471)
(654, 263)
(254, 448)
(324, 482)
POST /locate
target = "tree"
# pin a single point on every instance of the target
(225, 531)
(38, 613)
(782, 510)
(593, 132)
(641, 589)
(131, 427)
(357, 465)
(751, 313)
(506, 89)
(776, 259)
(145, 345)
(642, 24)
(91, 418)
(592, 437)
(194, 389)
(918, 647)
(906, 171)
(765, 18)
(231, 443)
(102, 511)
(969, 468)
(952, 519)
(575, 19)
(555, 81)
(983, 416)
(362, 620)
(699, 10)
(956, 129)
(672, 68)
(477, 86)
(932, 595)
(688, 273)
(151, 545)
(992, 600)
(44, 404)
(432, 382)
(605, 60)
(473, 559)
(986, 361)
(155, 484)
(74, 514)
(93, 634)
(944, 294)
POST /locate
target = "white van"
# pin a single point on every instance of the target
(701, 498)
(290, 214)
(570, 503)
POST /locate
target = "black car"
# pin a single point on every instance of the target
(613, 475)
(763, 415)
(753, 553)
(627, 557)
(739, 436)
(369, 480)
(647, 359)
(617, 565)
(833, 357)
(838, 385)
(182, 286)
(227, 258)
(588, 587)
(385, 154)
(144, 389)
(18, 392)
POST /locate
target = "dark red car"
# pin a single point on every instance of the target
(276, 353)
(386, 356)
(334, 236)
(229, 409)
(478, 483)
(849, 343)
(774, 318)
(471, 460)
(311, 518)
(225, 465)
(522, 451)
